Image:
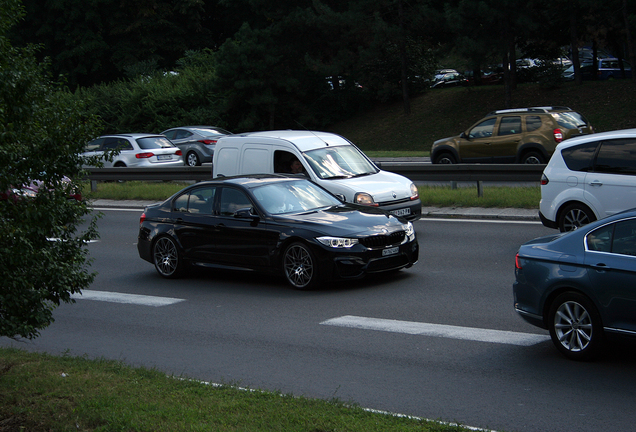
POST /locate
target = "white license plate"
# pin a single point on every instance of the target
(390, 251)
(164, 157)
(401, 212)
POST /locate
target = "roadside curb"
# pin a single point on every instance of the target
(427, 212)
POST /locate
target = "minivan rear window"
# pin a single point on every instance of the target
(617, 157)
(580, 157)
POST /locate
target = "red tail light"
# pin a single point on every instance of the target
(544, 180)
(558, 135)
(517, 262)
(144, 155)
(208, 141)
(178, 153)
(142, 218)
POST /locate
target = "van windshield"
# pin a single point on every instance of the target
(339, 162)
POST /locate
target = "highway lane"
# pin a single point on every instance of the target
(256, 332)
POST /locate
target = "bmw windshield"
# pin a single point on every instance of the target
(339, 162)
(292, 197)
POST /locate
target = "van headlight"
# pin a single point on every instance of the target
(364, 198)
(415, 194)
(338, 242)
(409, 230)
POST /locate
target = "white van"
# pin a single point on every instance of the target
(328, 159)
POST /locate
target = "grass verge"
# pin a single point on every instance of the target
(40, 392)
(435, 196)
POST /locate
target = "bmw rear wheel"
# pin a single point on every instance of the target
(299, 266)
(167, 258)
(575, 326)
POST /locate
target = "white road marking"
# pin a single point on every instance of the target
(438, 330)
(136, 299)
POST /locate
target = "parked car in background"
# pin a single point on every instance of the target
(273, 224)
(608, 68)
(522, 135)
(449, 79)
(135, 150)
(589, 178)
(580, 285)
(196, 142)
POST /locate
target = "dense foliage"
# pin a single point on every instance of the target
(43, 259)
(294, 63)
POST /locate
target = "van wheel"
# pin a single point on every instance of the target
(532, 157)
(300, 266)
(575, 216)
(445, 158)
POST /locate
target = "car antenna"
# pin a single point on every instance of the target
(311, 132)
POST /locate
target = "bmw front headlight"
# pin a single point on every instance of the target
(338, 242)
(409, 230)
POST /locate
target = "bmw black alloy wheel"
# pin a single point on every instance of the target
(166, 257)
(299, 266)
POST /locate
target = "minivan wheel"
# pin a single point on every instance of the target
(575, 326)
(167, 258)
(533, 158)
(300, 266)
(192, 159)
(445, 158)
(575, 216)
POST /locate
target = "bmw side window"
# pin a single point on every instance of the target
(181, 203)
(233, 200)
(483, 129)
(510, 125)
(625, 238)
(201, 201)
(581, 157)
(617, 157)
(533, 123)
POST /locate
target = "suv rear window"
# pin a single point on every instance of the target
(570, 120)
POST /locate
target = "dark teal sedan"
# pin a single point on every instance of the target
(580, 285)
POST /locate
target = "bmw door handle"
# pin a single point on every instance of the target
(601, 267)
(596, 183)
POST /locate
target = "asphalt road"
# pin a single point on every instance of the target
(420, 342)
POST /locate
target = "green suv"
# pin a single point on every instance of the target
(522, 135)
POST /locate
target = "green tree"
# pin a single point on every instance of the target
(43, 256)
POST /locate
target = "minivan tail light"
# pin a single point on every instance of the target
(544, 180)
(144, 155)
(558, 135)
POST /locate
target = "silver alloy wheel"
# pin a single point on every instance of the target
(573, 326)
(575, 218)
(298, 266)
(192, 159)
(166, 257)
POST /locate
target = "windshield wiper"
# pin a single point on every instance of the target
(337, 177)
(364, 174)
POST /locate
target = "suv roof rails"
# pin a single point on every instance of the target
(544, 109)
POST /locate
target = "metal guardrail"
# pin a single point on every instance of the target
(416, 171)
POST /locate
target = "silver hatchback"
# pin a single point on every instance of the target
(136, 150)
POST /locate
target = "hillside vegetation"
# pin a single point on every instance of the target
(441, 113)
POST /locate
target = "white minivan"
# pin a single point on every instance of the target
(589, 177)
(328, 159)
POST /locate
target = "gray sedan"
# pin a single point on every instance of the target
(196, 142)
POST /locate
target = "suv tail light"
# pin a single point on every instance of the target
(544, 180)
(144, 155)
(558, 135)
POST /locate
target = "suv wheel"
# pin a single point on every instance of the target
(575, 216)
(445, 158)
(532, 157)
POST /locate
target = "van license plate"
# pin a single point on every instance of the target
(164, 157)
(390, 251)
(401, 212)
